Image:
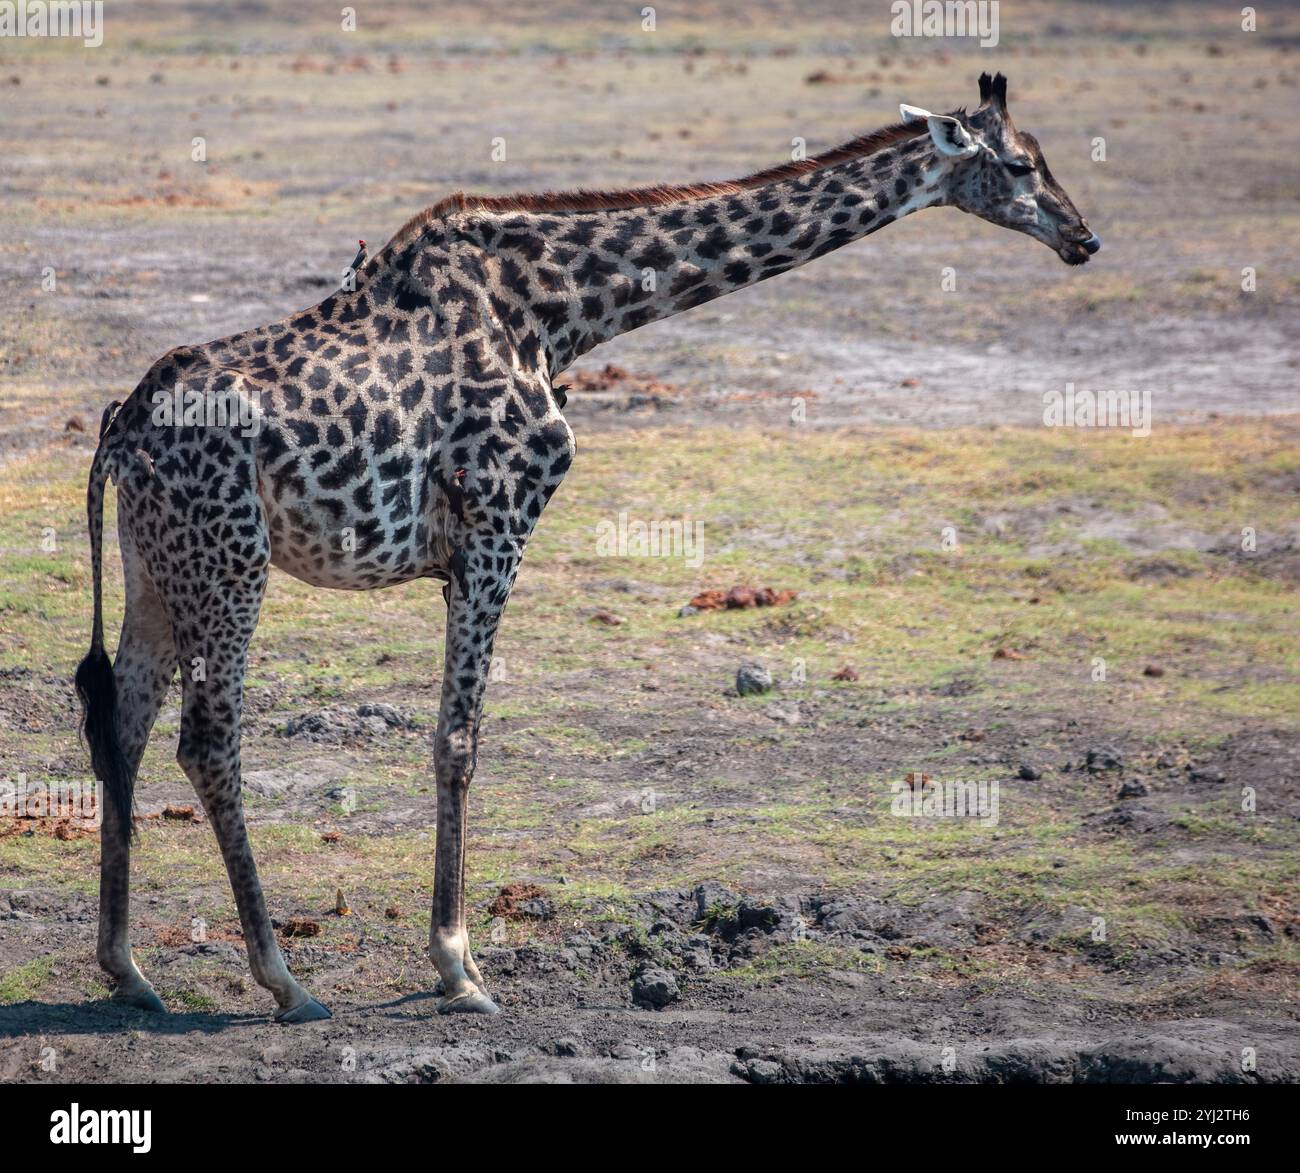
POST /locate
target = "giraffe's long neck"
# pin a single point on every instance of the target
(591, 276)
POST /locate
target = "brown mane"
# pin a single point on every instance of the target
(644, 197)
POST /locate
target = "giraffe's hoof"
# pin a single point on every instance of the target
(141, 997)
(474, 1002)
(308, 1011)
(440, 988)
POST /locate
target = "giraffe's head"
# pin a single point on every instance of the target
(999, 174)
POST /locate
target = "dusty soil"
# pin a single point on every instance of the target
(715, 886)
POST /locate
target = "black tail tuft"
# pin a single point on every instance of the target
(98, 693)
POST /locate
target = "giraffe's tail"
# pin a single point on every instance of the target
(96, 688)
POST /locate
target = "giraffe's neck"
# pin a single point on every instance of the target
(593, 275)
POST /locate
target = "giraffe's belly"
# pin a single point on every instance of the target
(328, 540)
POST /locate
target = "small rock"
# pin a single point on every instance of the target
(753, 679)
(687, 611)
(1153, 670)
(389, 715)
(335, 726)
(1134, 788)
(568, 1048)
(763, 1071)
(1207, 774)
(1103, 757)
(654, 988)
(322, 726)
(1028, 772)
(698, 952)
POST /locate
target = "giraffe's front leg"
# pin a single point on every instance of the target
(462, 984)
(472, 617)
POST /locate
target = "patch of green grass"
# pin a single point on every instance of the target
(42, 860)
(190, 1000)
(25, 982)
(804, 959)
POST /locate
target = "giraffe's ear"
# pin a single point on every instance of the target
(949, 135)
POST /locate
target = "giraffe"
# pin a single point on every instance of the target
(410, 426)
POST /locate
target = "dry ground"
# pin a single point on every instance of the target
(1097, 606)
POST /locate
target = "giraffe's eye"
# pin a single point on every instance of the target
(1019, 167)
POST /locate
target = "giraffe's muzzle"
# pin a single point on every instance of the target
(1077, 252)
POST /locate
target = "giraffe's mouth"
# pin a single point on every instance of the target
(1077, 252)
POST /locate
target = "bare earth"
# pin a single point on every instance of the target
(707, 886)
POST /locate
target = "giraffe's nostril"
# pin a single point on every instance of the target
(1093, 243)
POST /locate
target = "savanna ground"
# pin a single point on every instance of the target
(1069, 614)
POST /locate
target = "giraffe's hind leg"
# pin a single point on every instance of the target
(142, 671)
(213, 646)
(213, 620)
